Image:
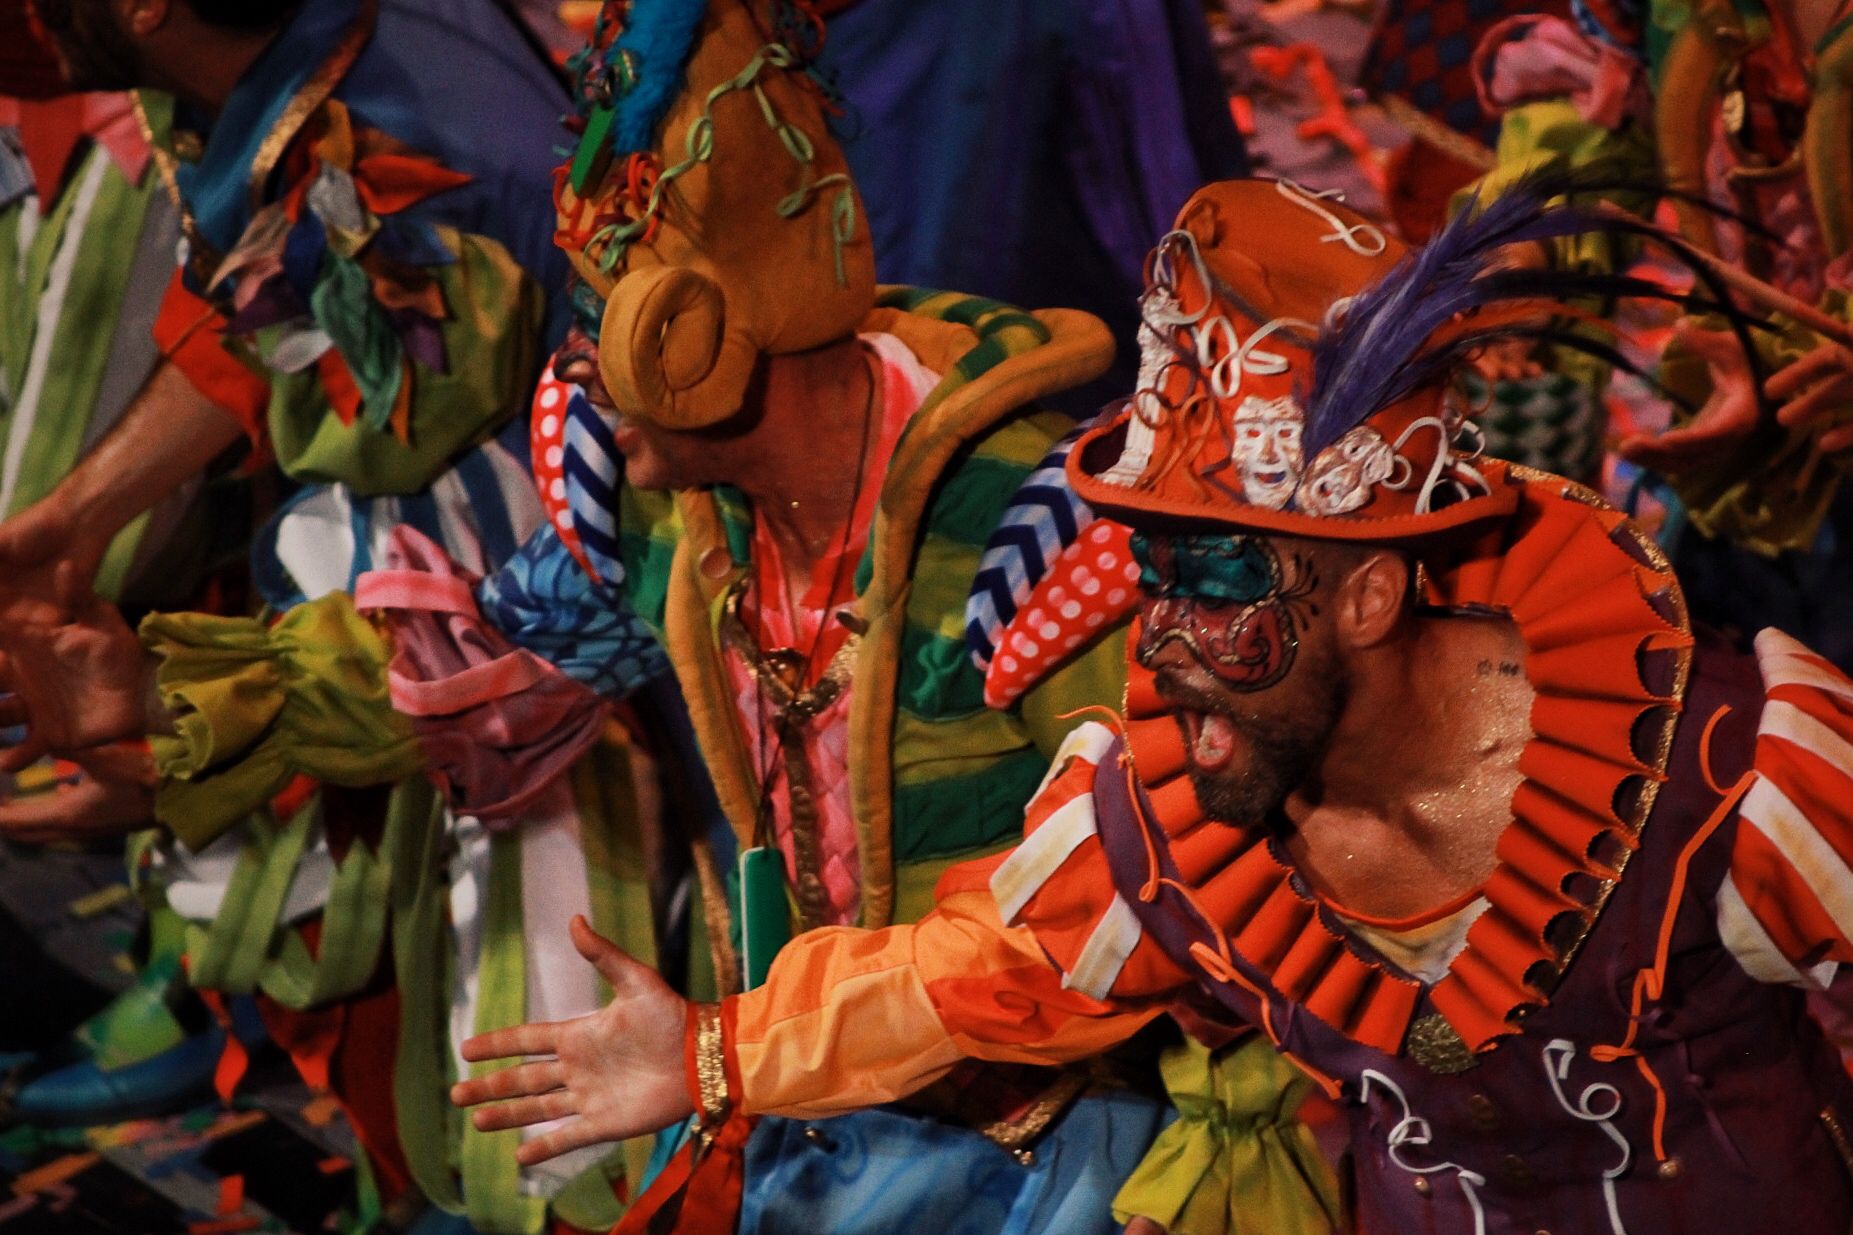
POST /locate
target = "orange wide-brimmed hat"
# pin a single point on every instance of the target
(1289, 381)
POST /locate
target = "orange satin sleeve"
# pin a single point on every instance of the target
(851, 1018)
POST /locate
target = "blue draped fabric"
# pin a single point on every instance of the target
(1032, 151)
(885, 1170)
(543, 601)
(493, 111)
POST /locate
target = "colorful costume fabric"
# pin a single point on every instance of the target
(370, 286)
(466, 904)
(765, 229)
(92, 252)
(329, 718)
(932, 775)
(1619, 1102)
(1604, 1035)
(1711, 99)
(86, 246)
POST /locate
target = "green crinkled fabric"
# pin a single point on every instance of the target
(343, 305)
(1552, 133)
(460, 1169)
(1753, 496)
(1236, 1161)
(494, 356)
(256, 705)
(248, 946)
(1666, 18)
(649, 528)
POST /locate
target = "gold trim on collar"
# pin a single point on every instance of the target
(201, 257)
(316, 91)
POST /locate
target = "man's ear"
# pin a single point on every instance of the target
(1372, 598)
(142, 18)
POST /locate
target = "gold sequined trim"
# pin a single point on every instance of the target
(1437, 1046)
(316, 91)
(1837, 1132)
(1014, 1134)
(201, 257)
(710, 1066)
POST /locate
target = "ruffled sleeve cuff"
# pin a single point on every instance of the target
(498, 724)
(257, 705)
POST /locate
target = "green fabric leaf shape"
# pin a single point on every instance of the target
(343, 306)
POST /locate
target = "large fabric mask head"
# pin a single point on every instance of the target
(707, 204)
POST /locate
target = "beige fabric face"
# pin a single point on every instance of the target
(757, 251)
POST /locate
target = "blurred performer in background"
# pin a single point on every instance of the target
(367, 290)
(87, 239)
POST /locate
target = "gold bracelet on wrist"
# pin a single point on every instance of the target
(710, 1068)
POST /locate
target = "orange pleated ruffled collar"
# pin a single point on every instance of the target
(1607, 648)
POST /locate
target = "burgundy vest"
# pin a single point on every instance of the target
(1538, 1136)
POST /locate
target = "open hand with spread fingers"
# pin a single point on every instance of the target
(1726, 420)
(37, 541)
(615, 1074)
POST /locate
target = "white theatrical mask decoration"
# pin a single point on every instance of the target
(1342, 475)
(1266, 450)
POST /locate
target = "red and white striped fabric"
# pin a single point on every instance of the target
(1786, 911)
(1092, 585)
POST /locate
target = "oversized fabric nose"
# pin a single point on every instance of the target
(665, 350)
(576, 361)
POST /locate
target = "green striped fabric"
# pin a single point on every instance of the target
(64, 278)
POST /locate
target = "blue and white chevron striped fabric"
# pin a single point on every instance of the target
(481, 511)
(593, 470)
(1044, 518)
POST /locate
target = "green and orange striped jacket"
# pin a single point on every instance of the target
(935, 776)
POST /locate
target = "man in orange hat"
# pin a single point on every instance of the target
(838, 454)
(1422, 773)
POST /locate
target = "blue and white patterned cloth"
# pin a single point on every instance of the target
(543, 601)
(487, 517)
(887, 1169)
(325, 537)
(593, 470)
(1043, 518)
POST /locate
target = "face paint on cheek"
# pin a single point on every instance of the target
(1235, 609)
(1247, 647)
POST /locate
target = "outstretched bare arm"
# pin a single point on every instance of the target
(167, 437)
